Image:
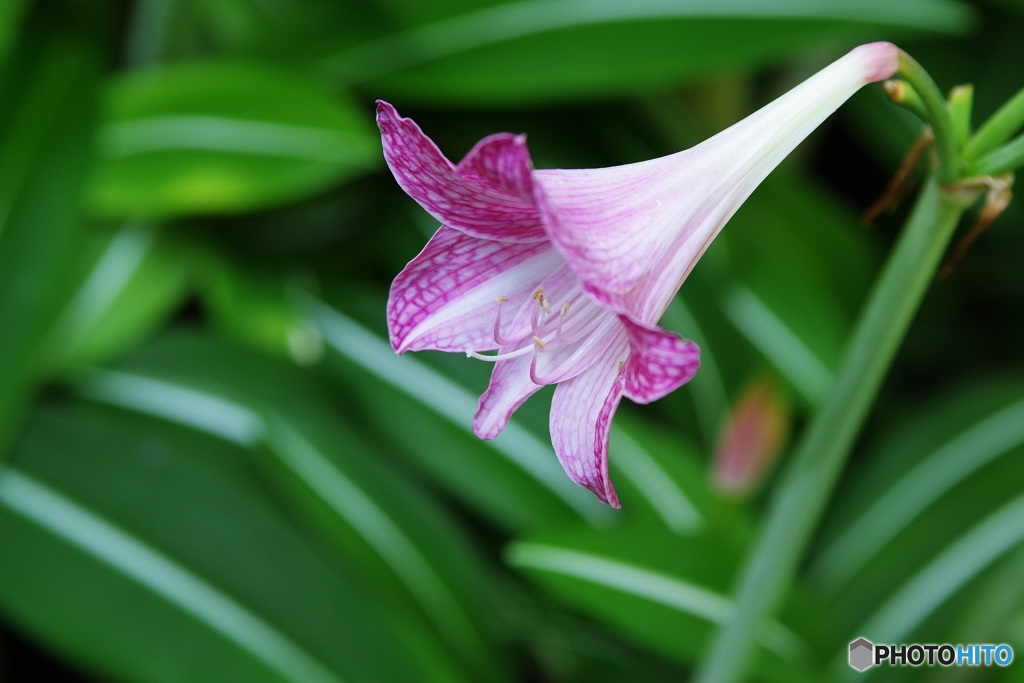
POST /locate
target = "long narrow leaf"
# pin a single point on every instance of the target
(586, 47)
(105, 542)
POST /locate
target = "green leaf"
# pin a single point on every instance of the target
(376, 523)
(11, 13)
(661, 590)
(255, 307)
(45, 130)
(658, 477)
(923, 463)
(130, 282)
(538, 50)
(223, 137)
(804, 266)
(944, 512)
(147, 552)
(957, 568)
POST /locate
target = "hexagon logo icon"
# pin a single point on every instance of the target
(862, 654)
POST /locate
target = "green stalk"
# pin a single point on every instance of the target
(801, 497)
(1007, 158)
(947, 146)
(998, 129)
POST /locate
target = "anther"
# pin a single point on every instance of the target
(538, 341)
(538, 296)
(501, 299)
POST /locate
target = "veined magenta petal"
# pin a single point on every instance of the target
(503, 162)
(650, 296)
(488, 195)
(659, 362)
(581, 415)
(634, 232)
(445, 298)
(510, 386)
(613, 225)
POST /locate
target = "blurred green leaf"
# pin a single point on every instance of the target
(255, 307)
(663, 591)
(922, 462)
(44, 156)
(539, 50)
(955, 569)
(131, 281)
(124, 534)
(657, 477)
(945, 509)
(804, 265)
(223, 137)
(11, 13)
(396, 538)
(968, 448)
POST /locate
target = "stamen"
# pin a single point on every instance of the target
(498, 337)
(535, 320)
(470, 353)
(539, 342)
(561, 319)
(538, 379)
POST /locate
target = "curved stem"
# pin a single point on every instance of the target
(947, 146)
(804, 491)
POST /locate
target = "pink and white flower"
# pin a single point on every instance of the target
(565, 273)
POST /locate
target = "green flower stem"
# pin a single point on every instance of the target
(1009, 157)
(961, 102)
(947, 146)
(819, 459)
(998, 129)
(903, 94)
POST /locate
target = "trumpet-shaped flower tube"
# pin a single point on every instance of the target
(564, 274)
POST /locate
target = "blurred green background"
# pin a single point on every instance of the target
(215, 469)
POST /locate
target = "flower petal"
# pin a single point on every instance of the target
(510, 386)
(581, 416)
(488, 195)
(633, 233)
(659, 362)
(615, 225)
(445, 298)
